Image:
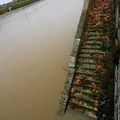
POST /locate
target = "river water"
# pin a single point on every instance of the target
(35, 43)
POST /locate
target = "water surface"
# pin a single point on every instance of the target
(35, 44)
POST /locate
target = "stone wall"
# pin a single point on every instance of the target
(117, 72)
(117, 93)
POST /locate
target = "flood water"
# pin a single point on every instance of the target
(35, 43)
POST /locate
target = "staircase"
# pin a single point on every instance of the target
(86, 87)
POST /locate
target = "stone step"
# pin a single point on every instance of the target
(89, 46)
(85, 98)
(89, 77)
(87, 66)
(92, 33)
(89, 71)
(87, 63)
(88, 56)
(92, 27)
(87, 74)
(85, 85)
(84, 105)
(92, 42)
(90, 91)
(93, 51)
(86, 60)
(93, 37)
(94, 30)
(87, 90)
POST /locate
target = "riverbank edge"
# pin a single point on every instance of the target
(73, 57)
(8, 9)
(117, 71)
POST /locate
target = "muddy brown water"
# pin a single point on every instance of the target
(35, 43)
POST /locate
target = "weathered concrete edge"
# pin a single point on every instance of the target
(117, 71)
(72, 61)
(83, 19)
(117, 93)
